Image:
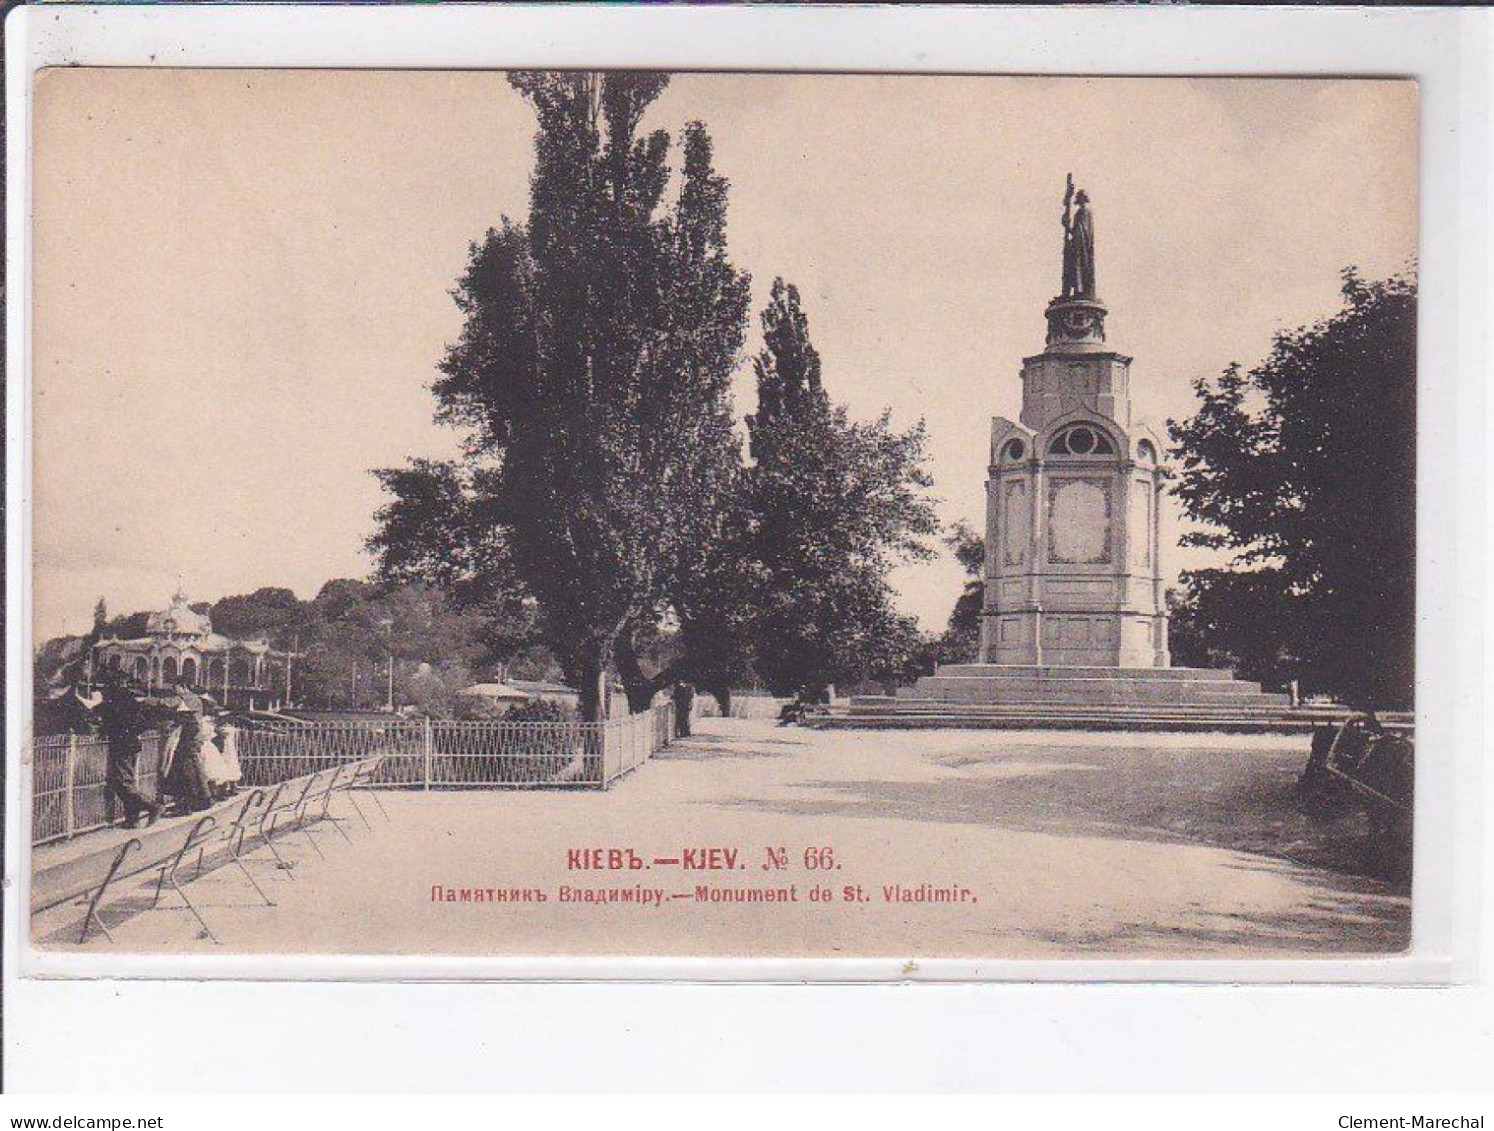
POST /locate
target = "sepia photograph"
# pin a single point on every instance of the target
(736, 515)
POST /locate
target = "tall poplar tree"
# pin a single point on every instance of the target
(836, 505)
(590, 382)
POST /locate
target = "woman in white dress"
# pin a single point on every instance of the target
(228, 743)
(220, 774)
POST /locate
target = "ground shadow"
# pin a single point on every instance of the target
(1323, 925)
(700, 747)
(1196, 796)
(1186, 795)
(115, 912)
(226, 889)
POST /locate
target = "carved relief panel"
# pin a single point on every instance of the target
(1016, 532)
(1141, 527)
(1079, 521)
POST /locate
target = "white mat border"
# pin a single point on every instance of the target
(1446, 51)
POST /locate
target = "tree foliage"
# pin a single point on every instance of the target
(345, 639)
(704, 635)
(1224, 619)
(602, 487)
(1304, 468)
(255, 615)
(835, 505)
(960, 643)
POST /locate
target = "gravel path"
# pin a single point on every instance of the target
(948, 844)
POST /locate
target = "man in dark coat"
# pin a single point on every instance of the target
(122, 720)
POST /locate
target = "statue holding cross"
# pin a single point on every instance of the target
(1078, 244)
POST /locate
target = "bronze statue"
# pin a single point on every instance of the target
(1078, 245)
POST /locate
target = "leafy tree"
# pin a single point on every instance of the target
(896, 655)
(706, 635)
(261, 614)
(100, 618)
(960, 643)
(354, 632)
(715, 601)
(835, 505)
(591, 382)
(128, 627)
(1304, 467)
(345, 637)
(1219, 618)
(433, 689)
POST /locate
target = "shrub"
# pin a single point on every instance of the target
(538, 711)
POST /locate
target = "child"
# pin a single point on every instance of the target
(221, 775)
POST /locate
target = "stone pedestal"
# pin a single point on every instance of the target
(1073, 571)
(1074, 621)
(1157, 689)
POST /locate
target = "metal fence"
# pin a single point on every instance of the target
(632, 741)
(69, 796)
(447, 754)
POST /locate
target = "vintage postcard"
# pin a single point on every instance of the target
(554, 514)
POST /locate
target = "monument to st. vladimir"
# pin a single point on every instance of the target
(1074, 613)
(1073, 565)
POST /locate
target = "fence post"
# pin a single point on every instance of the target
(425, 728)
(69, 773)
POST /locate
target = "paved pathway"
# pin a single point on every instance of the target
(1049, 845)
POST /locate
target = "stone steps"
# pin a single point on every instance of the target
(878, 705)
(979, 690)
(1077, 698)
(1069, 717)
(1047, 721)
(872, 712)
(1104, 689)
(1055, 671)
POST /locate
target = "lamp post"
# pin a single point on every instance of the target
(289, 659)
(388, 624)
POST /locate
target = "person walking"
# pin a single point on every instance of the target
(121, 719)
(186, 779)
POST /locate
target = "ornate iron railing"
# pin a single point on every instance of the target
(68, 792)
(69, 795)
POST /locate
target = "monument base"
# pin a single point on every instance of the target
(1077, 698)
(1089, 686)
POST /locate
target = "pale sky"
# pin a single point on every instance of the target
(241, 278)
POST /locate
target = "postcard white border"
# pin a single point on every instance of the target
(1447, 51)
